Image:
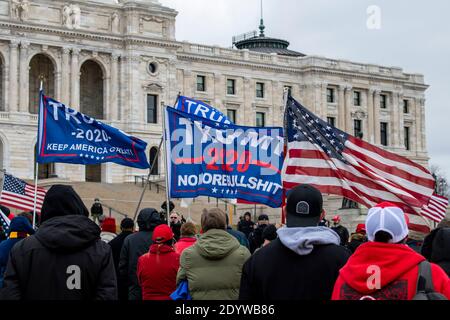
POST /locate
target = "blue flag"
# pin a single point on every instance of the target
(68, 136)
(225, 161)
(201, 109)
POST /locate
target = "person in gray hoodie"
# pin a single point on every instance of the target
(303, 263)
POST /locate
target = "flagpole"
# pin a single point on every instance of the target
(166, 159)
(285, 101)
(36, 168)
(152, 166)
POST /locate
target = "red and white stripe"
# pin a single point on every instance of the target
(24, 202)
(372, 175)
(436, 208)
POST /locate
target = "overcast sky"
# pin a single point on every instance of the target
(414, 35)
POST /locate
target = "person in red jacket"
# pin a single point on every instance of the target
(187, 239)
(157, 269)
(385, 268)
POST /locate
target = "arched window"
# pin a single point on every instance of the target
(91, 90)
(41, 68)
(152, 156)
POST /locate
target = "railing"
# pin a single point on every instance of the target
(4, 115)
(111, 210)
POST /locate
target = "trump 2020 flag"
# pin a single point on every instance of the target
(201, 109)
(68, 136)
(225, 161)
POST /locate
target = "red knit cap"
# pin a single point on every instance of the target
(109, 225)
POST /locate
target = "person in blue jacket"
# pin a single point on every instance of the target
(19, 229)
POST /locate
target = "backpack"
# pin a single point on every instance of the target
(425, 289)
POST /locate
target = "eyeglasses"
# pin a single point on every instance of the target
(173, 218)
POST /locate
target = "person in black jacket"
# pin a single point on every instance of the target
(340, 230)
(134, 246)
(116, 244)
(255, 238)
(97, 210)
(436, 248)
(65, 259)
(303, 263)
(246, 226)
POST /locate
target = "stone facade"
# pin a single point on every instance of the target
(133, 45)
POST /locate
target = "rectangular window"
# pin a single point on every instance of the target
(331, 121)
(407, 139)
(231, 87)
(152, 114)
(383, 101)
(260, 119)
(260, 90)
(231, 114)
(330, 95)
(357, 98)
(358, 128)
(384, 133)
(201, 83)
(405, 106)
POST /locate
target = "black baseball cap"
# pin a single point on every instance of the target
(304, 206)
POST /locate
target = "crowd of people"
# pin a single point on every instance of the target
(76, 256)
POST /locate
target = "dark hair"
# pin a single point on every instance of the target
(213, 219)
(270, 232)
(383, 237)
(127, 223)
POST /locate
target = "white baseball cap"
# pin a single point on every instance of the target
(389, 218)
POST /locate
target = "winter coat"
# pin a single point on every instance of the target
(183, 244)
(64, 260)
(436, 248)
(157, 272)
(240, 236)
(213, 266)
(134, 246)
(116, 246)
(97, 209)
(176, 229)
(301, 264)
(343, 234)
(19, 229)
(246, 227)
(255, 238)
(357, 239)
(397, 267)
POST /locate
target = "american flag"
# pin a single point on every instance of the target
(340, 164)
(18, 194)
(4, 220)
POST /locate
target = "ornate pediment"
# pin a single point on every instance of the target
(153, 87)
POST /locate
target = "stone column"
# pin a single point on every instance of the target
(370, 117)
(396, 120)
(23, 77)
(348, 109)
(423, 139)
(376, 118)
(317, 101)
(123, 89)
(75, 80)
(324, 110)
(401, 123)
(135, 99)
(418, 123)
(65, 79)
(13, 90)
(218, 92)
(113, 113)
(246, 113)
(341, 108)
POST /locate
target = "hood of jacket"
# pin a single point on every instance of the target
(21, 224)
(216, 244)
(441, 246)
(303, 240)
(394, 260)
(62, 201)
(68, 233)
(148, 219)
